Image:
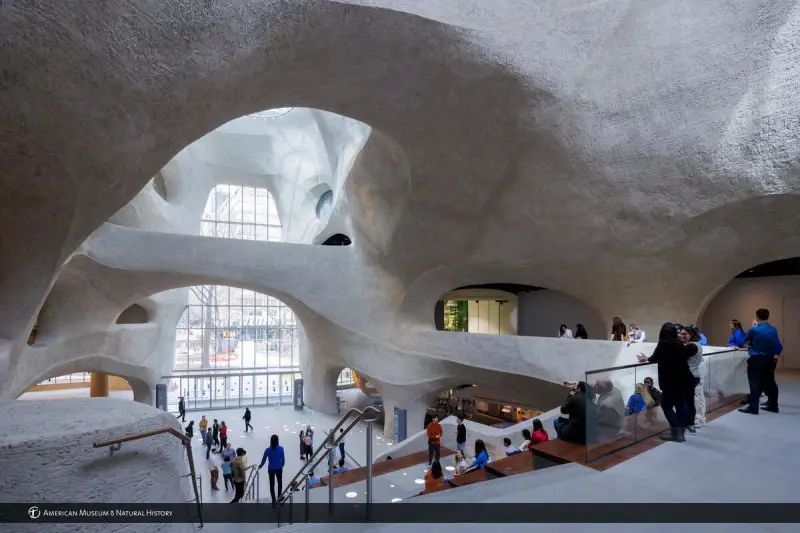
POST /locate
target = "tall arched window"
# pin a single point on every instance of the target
(236, 212)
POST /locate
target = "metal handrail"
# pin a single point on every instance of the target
(324, 449)
(634, 365)
(187, 444)
(252, 492)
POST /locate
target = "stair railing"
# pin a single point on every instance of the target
(116, 444)
(324, 451)
(253, 491)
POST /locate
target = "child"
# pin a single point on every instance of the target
(227, 473)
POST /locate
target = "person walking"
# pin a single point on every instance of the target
(213, 463)
(190, 429)
(674, 376)
(434, 431)
(239, 472)
(763, 347)
(223, 434)
(209, 443)
(277, 459)
(215, 432)
(203, 428)
(181, 409)
(247, 416)
(461, 435)
(302, 445)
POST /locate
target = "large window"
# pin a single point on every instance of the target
(345, 378)
(229, 327)
(79, 377)
(234, 212)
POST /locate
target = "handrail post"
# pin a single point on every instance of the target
(258, 487)
(291, 508)
(369, 467)
(329, 447)
(188, 445)
(308, 499)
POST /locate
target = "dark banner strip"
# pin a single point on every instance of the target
(399, 513)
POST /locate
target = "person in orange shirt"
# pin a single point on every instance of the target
(434, 431)
(434, 476)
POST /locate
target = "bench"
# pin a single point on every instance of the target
(383, 467)
(468, 479)
(519, 463)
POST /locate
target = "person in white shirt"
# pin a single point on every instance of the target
(635, 335)
(213, 462)
(526, 435)
(510, 449)
(565, 332)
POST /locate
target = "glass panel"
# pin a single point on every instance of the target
(261, 390)
(248, 390)
(286, 389)
(274, 388)
(233, 391)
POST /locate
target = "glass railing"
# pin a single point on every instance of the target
(621, 410)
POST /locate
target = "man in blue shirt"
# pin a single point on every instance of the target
(763, 346)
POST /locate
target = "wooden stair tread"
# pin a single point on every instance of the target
(515, 464)
(383, 467)
(468, 479)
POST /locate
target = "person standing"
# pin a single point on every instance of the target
(227, 474)
(215, 432)
(636, 335)
(203, 428)
(309, 444)
(209, 443)
(738, 335)
(247, 416)
(239, 472)
(302, 445)
(341, 443)
(223, 434)
(618, 329)
(434, 431)
(229, 452)
(213, 466)
(461, 435)
(697, 402)
(190, 429)
(763, 347)
(181, 409)
(277, 459)
(674, 376)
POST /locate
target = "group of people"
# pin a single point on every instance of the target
(590, 410)
(435, 475)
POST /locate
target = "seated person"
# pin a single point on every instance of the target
(313, 481)
(636, 402)
(610, 406)
(341, 468)
(526, 440)
(654, 398)
(539, 434)
(481, 457)
(579, 402)
(460, 463)
(434, 476)
(510, 449)
(635, 334)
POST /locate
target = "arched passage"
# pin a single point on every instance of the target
(774, 286)
(81, 385)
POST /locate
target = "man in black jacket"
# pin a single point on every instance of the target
(461, 435)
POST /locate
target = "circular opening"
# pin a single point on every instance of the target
(272, 113)
(325, 206)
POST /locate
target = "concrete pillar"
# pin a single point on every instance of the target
(98, 386)
(438, 316)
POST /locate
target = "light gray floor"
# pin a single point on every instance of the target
(737, 458)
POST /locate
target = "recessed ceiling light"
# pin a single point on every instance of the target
(395, 500)
(351, 494)
(389, 443)
(419, 481)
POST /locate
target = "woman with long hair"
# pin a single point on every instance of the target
(539, 434)
(618, 330)
(580, 332)
(434, 477)
(481, 456)
(302, 445)
(564, 332)
(674, 376)
(460, 463)
(737, 334)
(277, 459)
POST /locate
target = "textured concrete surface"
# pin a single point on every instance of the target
(47, 456)
(633, 156)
